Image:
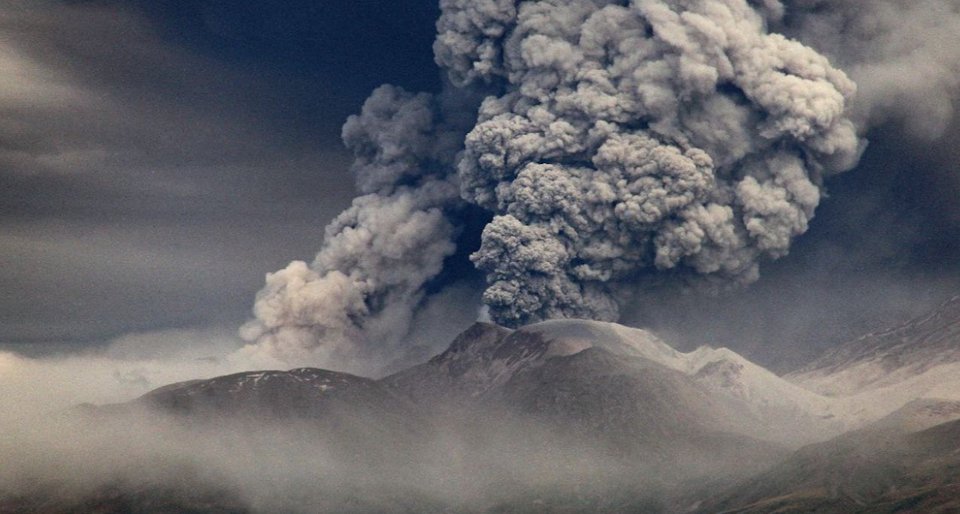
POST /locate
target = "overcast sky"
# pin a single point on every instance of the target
(156, 160)
(158, 157)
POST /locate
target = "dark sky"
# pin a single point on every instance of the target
(158, 157)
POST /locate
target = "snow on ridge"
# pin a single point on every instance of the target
(322, 380)
(787, 412)
(940, 382)
(619, 339)
(717, 368)
(641, 343)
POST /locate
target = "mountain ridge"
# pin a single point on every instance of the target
(888, 356)
(611, 418)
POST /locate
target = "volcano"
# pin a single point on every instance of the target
(564, 415)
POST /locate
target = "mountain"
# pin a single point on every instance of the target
(606, 393)
(565, 415)
(475, 362)
(886, 468)
(554, 415)
(900, 389)
(918, 415)
(928, 345)
(300, 393)
(488, 361)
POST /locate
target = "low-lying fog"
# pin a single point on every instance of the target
(68, 457)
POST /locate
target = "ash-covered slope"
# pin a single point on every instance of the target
(927, 346)
(718, 387)
(572, 416)
(479, 359)
(918, 415)
(335, 405)
(886, 468)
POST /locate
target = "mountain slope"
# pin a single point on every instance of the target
(876, 470)
(584, 392)
(901, 389)
(566, 415)
(485, 358)
(633, 408)
(927, 344)
(302, 392)
(918, 415)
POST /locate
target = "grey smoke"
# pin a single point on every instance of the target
(675, 137)
(618, 144)
(904, 56)
(368, 279)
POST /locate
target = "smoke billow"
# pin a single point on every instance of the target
(671, 140)
(617, 144)
(377, 256)
(904, 56)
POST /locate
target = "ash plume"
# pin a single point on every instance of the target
(368, 278)
(904, 56)
(617, 144)
(666, 136)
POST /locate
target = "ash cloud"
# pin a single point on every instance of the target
(613, 147)
(364, 287)
(904, 56)
(116, 370)
(650, 136)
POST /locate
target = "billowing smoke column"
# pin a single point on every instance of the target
(665, 135)
(377, 256)
(904, 55)
(617, 140)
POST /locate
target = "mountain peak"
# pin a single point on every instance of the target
(475, 339)
(297, 392)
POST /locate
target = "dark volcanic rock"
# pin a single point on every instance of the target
(302, 393)
(481, 358)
